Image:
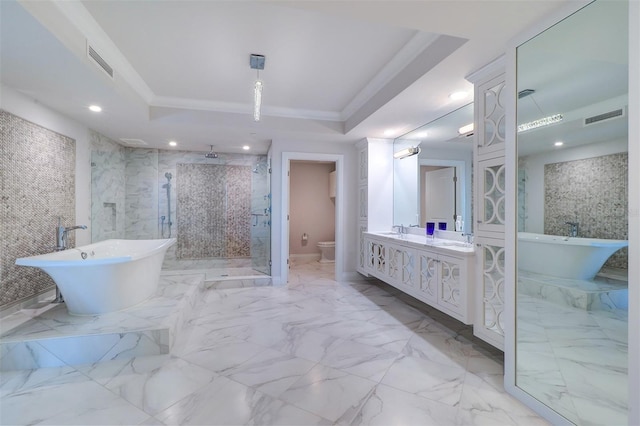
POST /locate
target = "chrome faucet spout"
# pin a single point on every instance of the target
(573, 228)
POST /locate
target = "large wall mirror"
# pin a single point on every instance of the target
(572, 215)
(435, 185)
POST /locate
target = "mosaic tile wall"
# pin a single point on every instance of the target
(107, 188)
(37, 171)
(592, 192)
(214, 211)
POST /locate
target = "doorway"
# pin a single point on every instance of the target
(300, 236)
(312, 215)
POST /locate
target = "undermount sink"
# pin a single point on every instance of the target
(394, 234)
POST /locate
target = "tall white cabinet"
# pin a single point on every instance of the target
(489, 204)
(375, 191)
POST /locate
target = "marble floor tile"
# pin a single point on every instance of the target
(426, 378)
(315, 352)
(329, 393)
(154, 383)
(389, 406)
(270, 372)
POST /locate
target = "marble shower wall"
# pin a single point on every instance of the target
(141, 194)
(592, 192)
(37, 171)
(108, 165)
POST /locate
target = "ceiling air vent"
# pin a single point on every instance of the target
(99, 61)
(606, 116)
(133, 142)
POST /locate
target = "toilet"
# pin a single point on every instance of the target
(327, 251)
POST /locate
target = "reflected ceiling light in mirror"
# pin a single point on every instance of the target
(558, 143)
(407, 152)
(95, 108)
(456, 96)
(389, 132)
(420, 135)
(466, 129)
(546, 121)
(246, 147)
(173, 143)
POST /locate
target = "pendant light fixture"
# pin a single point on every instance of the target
(257, 63)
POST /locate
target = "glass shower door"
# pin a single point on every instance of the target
(261, 217)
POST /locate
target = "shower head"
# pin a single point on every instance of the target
(211, 154)
(168, 175)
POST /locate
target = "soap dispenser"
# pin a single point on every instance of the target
(459, 224)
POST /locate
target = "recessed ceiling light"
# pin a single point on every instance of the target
(559, 143)
(246, 147)
(389, 132)
(95, 108)
(456, 96)
(173, 143)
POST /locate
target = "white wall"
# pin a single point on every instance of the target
(30, 109)
(534, 186)
(349, 194)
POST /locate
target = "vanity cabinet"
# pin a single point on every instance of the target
(440, 277)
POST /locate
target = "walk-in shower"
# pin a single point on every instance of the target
(167, 186)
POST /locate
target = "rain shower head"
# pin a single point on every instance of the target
(211, 154)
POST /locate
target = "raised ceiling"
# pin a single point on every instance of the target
(335, 71)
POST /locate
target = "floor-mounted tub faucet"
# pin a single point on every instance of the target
(62, 237)
(573, 228)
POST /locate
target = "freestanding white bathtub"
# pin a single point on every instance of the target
(104, 277)
(565, 257)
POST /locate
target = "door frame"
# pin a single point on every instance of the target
(287, 157)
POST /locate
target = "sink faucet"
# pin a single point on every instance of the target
(573, 228)
(401, 229)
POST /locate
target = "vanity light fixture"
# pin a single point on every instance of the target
(558, 143)
(95, 108)
(173, 143)
(541, 122)
(407, 152)
(246, 147)
(257, 63)
(466, 129)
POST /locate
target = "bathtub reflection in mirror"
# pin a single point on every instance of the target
(571, 324)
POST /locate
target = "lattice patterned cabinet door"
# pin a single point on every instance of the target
(491, 136)
(429, 277)
(408, 270)
(363, 166)
(450, 285)
(394, 256)
(493, 288)
(379, 259)
(362, 248)
(363, 200)
(492, 195)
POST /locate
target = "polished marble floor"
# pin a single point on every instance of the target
(313, 352)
